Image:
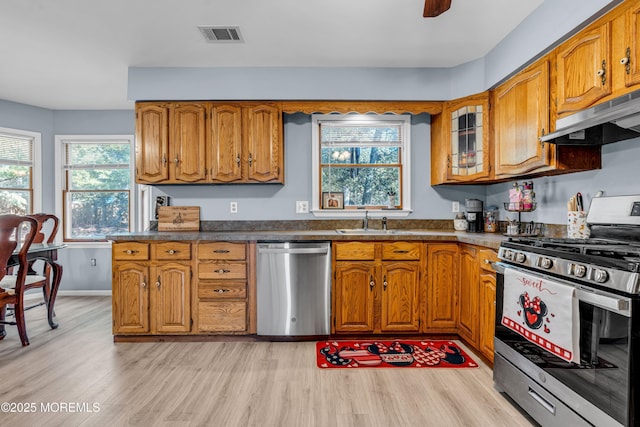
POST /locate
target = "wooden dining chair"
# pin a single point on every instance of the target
(16, 235)
(46, 231)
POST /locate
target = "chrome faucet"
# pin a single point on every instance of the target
(365, 221)
(384, 223)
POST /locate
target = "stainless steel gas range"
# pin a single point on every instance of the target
(567, 343)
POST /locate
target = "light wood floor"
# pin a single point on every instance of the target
(220, 383)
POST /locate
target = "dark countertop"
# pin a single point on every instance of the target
(491, 240)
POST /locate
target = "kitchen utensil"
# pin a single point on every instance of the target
(579, 202)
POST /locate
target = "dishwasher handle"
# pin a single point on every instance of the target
(293, 251)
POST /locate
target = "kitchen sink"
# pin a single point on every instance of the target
(369, 231)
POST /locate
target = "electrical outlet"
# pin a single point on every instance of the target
(93, 262)
(455, 207)
(233, 207)
(302, 206)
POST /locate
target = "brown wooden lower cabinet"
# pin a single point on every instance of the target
(442, 289)
(487, 307)
(155, 290)
(468, 295)
(151, 288)
(377, 287)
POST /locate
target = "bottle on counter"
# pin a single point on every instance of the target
(527, 196)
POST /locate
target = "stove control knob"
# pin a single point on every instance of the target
(520, 257)
(600, 276)
(508, 255)
(579, 270)
(546, 263)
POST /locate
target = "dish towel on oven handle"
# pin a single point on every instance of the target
(544, 312)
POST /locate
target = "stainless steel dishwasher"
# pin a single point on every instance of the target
(294, 288)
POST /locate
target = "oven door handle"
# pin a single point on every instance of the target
(618, 305)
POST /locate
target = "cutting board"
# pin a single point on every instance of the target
(179, 218)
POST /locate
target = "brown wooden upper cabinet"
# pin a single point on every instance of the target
(601, 61)
(170, 142)
(521, 117)
(209, 142)
(463, 141)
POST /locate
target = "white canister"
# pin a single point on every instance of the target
(460, 224)
(577, 227)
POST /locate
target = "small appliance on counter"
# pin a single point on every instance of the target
(475, 218)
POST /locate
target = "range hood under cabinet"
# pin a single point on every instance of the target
(612, 121)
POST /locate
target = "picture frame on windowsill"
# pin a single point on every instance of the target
(332, 200)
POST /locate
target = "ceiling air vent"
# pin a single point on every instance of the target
(221, 34)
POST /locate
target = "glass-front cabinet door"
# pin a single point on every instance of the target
(468, 120)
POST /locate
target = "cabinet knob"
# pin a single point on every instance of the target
(626, 61)
(130, 252)
(238, 160)
(602, 72)
(176, 160)
(221, 251)
(158, 283)
(250, 158)
(384, 282)
(171, 251)
(221, 291)
(164, 159)
(372, 283)
(222, 271)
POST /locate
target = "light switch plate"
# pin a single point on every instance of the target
(455, 207)
(302, 206)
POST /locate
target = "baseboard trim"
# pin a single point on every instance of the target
(71, 293)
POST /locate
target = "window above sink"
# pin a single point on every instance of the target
(361, 162)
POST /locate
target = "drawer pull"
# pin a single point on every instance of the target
(399, 251)
(172, 251)
(130, 252)
(221, 291)
(221, 271)
(221, 251)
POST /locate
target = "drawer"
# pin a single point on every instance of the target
(486, 257)
(222, 270)
(171, 251)
(222, 250)
(222, 316)
(355, 251)
(132, 251)
(401, 250)
(222, 289)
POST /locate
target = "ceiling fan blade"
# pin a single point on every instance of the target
(433, 8)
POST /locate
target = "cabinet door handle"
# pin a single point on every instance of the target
(626, 60)
(221, 291)
(221, 251)
(164, 159)
(238, 160)
(372, 283)
(222, 271)
(250, 159)
(158, 283)
(384, 282)
(176, 160)
(602, 72)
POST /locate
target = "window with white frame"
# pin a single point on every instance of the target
(19, 172)
(97, 185)
(361, 161)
